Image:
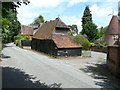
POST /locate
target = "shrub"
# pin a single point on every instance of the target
(18, 38)
(79, 39)
(101, 44)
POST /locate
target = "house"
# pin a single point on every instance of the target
(111, 36)
(52, 38)
(26, 30)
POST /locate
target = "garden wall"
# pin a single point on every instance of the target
(113, 59)
(100, 49)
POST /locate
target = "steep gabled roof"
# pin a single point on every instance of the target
(46, 30)
(64, 41)
(113, 26)
(26, 30)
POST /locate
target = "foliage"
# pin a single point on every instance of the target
(12, 5)
(88, 27)
(73, 28)
(6, 30)
(10, 24)
(18, 38)
(38, 20)
(15, 24)
(79, 39)
(10, 27)
(102, 31)
(101, 44)
(92, 44)
(70, 34)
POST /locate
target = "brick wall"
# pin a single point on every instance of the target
(99, 49)
(113, 59)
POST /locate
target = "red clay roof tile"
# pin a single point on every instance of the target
(64, 41)
(113, 26)
(26, 30)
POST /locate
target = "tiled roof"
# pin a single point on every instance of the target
(26, 30)
(113, 26)
(46, 30)
(64, 41)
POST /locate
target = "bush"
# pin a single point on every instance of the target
(101, 44)
(79, 39)
(18, 38)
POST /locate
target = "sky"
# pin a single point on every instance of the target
(69, 11)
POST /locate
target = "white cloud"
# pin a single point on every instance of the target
(34, 8)
(99, 11)
(27, 13)
(70, 20)
(102, 14)
(46, 3)
(74, 2)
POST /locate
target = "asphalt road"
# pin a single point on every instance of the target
(27, 69)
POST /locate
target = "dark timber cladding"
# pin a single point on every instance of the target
(52, 38)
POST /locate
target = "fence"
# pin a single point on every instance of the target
(25, 43)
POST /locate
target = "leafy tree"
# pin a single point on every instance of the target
(6, 30)
(10, 24)
(12, 5)
(41, 19)
(73, 28)
(38, 20)
(102, 31)
(10, 27)
(88, 27)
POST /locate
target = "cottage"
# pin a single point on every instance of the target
(111, 36)
(26, 30)
(52, 38)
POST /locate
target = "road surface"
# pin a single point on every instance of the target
(28, 69)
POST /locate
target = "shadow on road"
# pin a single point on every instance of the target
(102, 75)
(5, 56)
(15, 78)
(5, 46)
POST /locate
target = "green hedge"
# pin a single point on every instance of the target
(79, 39)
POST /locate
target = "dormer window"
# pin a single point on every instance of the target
(62, 31)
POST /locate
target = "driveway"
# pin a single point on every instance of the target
(28, 69)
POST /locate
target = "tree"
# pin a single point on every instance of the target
(102, 31)
(41, 19)
(73, 28)
(5, 30)
(38, 20)
(10, 27)
(88, 27)
(10, 24)
(12, 5)
(15, 24)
